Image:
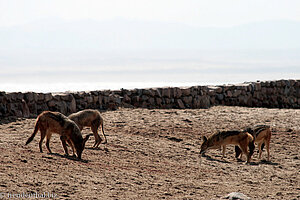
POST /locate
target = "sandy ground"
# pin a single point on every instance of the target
(154, 154)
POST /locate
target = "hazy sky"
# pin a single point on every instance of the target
(67, 44)
(191, 12)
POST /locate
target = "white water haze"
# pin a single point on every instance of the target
(73, 46)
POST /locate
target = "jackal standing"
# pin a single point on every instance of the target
(90, 118)
(262, 136)
(241, 138)
(54, 122)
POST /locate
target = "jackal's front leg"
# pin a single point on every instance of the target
(63, 141)
(224, 149)
(72, 146)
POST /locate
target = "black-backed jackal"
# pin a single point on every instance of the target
(241, 138)
(90, 118)
(262, 136)
(54, 122)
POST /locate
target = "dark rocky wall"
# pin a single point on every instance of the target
(270, 94)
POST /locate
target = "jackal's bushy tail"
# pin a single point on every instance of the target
(102, 129)
(36, 129)
(251, 145)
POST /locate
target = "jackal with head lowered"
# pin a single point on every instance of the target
(54, 122)
(90, 118)
(262, 136)
(241, 138)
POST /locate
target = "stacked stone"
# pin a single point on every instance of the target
(270, 94)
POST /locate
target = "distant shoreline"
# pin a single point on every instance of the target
(100, 86)
(78, 87)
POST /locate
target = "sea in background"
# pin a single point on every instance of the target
(73, 87)
(145, 70)
(55, 87)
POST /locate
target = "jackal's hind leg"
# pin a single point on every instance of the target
(98, 139)
(48, 141)
(260, 150)
(268, 144)
(268, 150)
(43, 135)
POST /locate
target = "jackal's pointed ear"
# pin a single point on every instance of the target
(204, 138)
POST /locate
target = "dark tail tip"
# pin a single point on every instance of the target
(89, 135)
(238, 151)
(262, 146)
(29, 140)
(251, 148)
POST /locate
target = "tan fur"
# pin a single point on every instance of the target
(90, 118)
(54, 122)
(221, 139)
(262, 134)
(264, 137)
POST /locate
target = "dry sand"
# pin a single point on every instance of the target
(154, 154)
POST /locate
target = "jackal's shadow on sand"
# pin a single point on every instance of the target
(74, 158)
(261, 162)
(214, 159)
(265, 162)
(97, 149)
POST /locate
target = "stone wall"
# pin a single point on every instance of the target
(270, 94)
